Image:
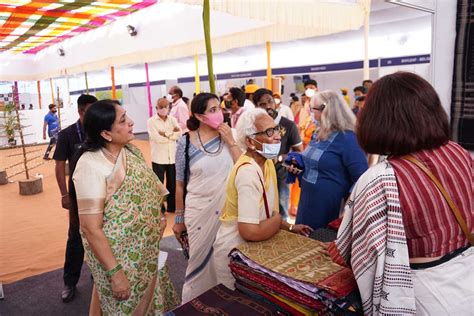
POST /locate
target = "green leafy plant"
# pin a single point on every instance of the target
(10, 123)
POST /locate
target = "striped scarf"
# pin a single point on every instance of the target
(372, 238)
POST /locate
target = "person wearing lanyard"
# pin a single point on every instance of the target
(69, 140)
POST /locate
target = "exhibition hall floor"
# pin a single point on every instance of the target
(33, 229)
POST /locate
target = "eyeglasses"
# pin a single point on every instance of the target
(269, 131)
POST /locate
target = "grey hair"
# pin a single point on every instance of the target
(336, 115)
(246, 125)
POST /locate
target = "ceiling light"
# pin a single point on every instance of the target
(131, 30)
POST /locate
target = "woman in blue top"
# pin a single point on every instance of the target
(333, 161)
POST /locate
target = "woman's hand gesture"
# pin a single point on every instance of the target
(301, 229)
(178, 229)
(120, 286)
(226, 133)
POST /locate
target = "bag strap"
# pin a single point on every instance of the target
(446, 196)
(265, 201)
(186, 167)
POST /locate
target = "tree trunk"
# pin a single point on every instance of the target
(3, 177)
(31, 186)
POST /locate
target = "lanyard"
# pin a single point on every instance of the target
(78, 129)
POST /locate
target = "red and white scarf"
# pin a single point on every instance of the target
(372, 238)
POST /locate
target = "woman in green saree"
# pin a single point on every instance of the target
(119, 201)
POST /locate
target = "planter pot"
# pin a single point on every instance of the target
(3, 177)
(31, 186)
(12, 142)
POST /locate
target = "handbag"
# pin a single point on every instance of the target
(446, 196)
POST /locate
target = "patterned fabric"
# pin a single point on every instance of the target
(131, 224)
(223, 302)
(30, 26)
(284, 307)
(246, 275)
(462, 107)
(295, 259)
(372, 238)
(430, 226)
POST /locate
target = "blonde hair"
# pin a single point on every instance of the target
(336, 115)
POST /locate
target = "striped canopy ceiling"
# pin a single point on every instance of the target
(28, 26)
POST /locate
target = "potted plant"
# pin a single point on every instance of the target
(10, 123)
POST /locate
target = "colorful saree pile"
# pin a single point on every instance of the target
(221, 301)
(294, 274)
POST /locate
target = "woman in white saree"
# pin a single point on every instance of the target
(204, 158)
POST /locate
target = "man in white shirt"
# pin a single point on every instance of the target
(179, 109)
(283, 109)
(163, 131)
(249, 91)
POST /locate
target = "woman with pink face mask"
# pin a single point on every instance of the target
(204, 157)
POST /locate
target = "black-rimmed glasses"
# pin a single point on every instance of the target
(269, 131)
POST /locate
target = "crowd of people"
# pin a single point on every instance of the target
(236, 169)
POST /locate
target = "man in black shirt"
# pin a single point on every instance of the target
(68, 141)
(290, 140)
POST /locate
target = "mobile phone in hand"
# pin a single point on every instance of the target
(185, 244)
(294, 167)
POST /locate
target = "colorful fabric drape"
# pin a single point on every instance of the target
(297, 269)
(221, 301)
(32, 26)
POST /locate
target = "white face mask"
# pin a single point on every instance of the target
(268, 151)
(277, 101)
(169, 97)
(310, 92)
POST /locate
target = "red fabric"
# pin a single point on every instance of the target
(335, 223)
(276, 286)
(270, 298)
(430, 225)
(221, 301)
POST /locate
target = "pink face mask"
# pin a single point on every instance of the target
(214, 119)
(162, 111)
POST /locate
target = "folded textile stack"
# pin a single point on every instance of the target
(295, 274)
(221, 301)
